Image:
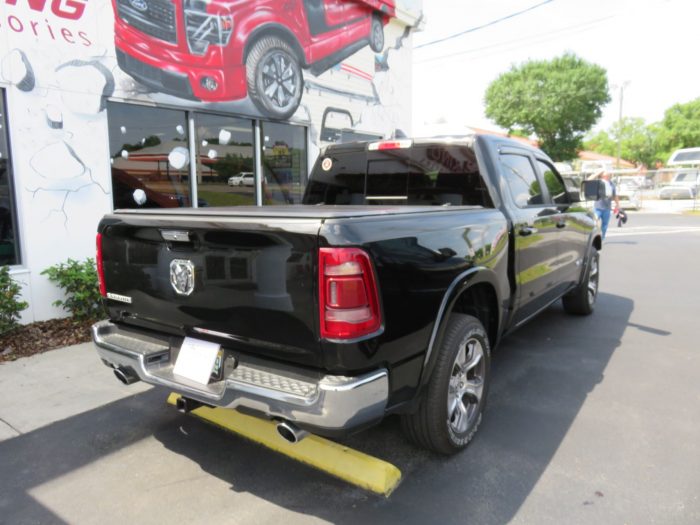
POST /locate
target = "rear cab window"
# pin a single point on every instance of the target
(420, 175)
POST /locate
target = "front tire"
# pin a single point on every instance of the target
(450, 411)
(274, 79)
(581, 300)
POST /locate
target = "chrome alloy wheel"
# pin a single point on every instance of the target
(280, 79)
(593, 274)
(466, 386)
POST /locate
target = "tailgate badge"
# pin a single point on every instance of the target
(121, 298)
(182, 276)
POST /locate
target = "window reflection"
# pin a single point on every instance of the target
(149, 152)
(225, 162)
(9, 245)
(284, 163)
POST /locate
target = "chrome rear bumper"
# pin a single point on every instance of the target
(327, 403)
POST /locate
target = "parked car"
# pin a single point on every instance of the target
(230, 49)
(329, 316)
(684, 185)
(245, 178)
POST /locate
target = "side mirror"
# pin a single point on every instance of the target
(593, 189)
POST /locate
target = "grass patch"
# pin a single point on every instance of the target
(217, 198)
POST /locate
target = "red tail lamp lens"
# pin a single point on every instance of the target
(100, 267)
(348, 297)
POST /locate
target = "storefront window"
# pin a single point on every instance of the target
(9, 244)
(150, 158)
(284, 163)
(225, 163)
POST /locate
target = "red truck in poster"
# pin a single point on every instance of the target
(223, 50)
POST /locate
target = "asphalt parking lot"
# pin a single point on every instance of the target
(590, 420)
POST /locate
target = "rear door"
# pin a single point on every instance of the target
(535, 233)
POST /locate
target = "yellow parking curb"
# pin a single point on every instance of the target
(337, 460)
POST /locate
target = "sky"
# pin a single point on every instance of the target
(650, 47)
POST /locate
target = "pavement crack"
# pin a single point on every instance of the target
(19, 432)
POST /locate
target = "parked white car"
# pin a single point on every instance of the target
(685, 185)
(244, 178)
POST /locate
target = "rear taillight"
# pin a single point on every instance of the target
(100, 267)
(348, 297)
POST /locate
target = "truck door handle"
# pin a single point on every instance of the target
(561, 224)
(527, 230)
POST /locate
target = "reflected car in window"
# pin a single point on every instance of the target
(245, 178)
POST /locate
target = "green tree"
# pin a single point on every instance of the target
(638, 142)
(558, 100)
(680, 128)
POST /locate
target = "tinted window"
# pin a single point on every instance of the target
(555, 187)
(421, 175)
(9, 245)
(150, 157)
(687, 156)
(284, 163)
(521, 179)
(225, 153)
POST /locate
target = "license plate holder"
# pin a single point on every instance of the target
(197, 359)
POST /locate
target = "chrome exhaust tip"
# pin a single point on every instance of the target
(126, 376)
(290, 432)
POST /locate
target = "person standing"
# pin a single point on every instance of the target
(603, 206)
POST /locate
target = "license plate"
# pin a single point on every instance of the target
(196, 360)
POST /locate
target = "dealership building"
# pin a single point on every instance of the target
(179, 103)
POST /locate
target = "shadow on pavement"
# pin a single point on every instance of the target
(542, 375)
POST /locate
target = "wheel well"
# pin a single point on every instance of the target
(480, 301)
(280, 32)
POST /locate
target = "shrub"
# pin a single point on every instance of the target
(10, 305)
(79, 282)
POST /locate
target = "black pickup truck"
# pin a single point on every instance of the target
(384, 293)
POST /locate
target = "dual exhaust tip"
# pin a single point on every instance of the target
(286, 429)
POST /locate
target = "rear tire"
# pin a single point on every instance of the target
(449, 413)
(581, 300)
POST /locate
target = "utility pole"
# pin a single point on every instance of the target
(619, 123)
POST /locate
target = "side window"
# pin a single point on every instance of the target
(522, 180)
(555, 187)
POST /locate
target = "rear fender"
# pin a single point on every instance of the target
(461, 285)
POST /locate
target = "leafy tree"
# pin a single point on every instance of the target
(680, 128)
(638, 142)
(558, 100)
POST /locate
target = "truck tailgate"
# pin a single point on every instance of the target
(244, 281)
